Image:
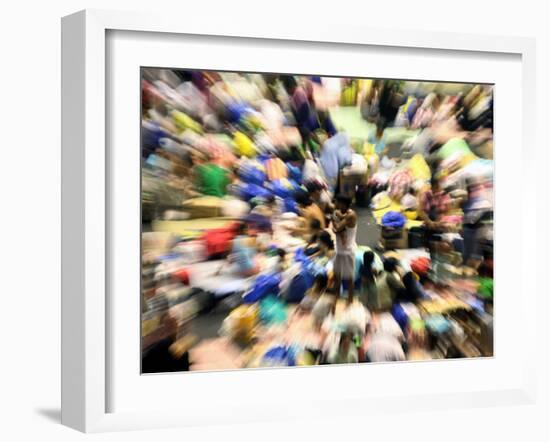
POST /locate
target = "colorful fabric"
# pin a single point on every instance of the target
(244, 145)
(276, 169)
(218, 241)
(421, 265)
(409, 202)
(184, 122)
(212, 179)
(457, 148)
(242, 255)
(219, 154)
(439, 202)
(485, 289)
(419, 168)
(378, 144)
(422, 118)
(399, 183)
(252, 172)
(394, 220)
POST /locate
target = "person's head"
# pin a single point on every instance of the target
(295, 156)
(368, 258)
(242, 229)
(314, 188)
(270, 200)
(321, 283)
(343, 203)
(325, 241)
(303, 199)
(390, 264)
(289, 82)
(315, 225)
(281, 253)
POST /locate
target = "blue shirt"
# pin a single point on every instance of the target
(379, 145)
(335, 154)
(242, 254)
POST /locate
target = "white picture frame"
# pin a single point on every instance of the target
(85, 202)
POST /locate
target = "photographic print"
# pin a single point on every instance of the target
(293, 220)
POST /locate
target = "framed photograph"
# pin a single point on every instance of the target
(265, 222)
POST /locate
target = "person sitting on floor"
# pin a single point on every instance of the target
(211, 179)
(368, 280)
(312, 245)
(388, 283)
(243, 253)
(417, 340)
(325, 250)
(314, 294)
(345, 352)
(282, 264)
(308, 211)
(383, 347)
(320, 196)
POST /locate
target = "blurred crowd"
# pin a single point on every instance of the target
(292, 220)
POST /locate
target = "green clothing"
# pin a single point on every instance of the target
(454, 146)
(486, 288)
(211, 179)
(382, 294)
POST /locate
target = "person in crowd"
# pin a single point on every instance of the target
(383, 347)
(314, 294)
(417, 341)
(344, 225)
(312, 246)
(378, 138)
(390, 100)
(211, 179)
(282, 263)
(336, 153)
(345, 352)
(325, 247)
(309, 211)
(266, 206)
(325, 122)
(477, 208)
(370, 107)
(413, 290)
(324, 306)
(315, 229)
(425, 113)
(388, 284)
(433, 203)
(368, 280)
(301, 106)
(321, 197)
(243, 253)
